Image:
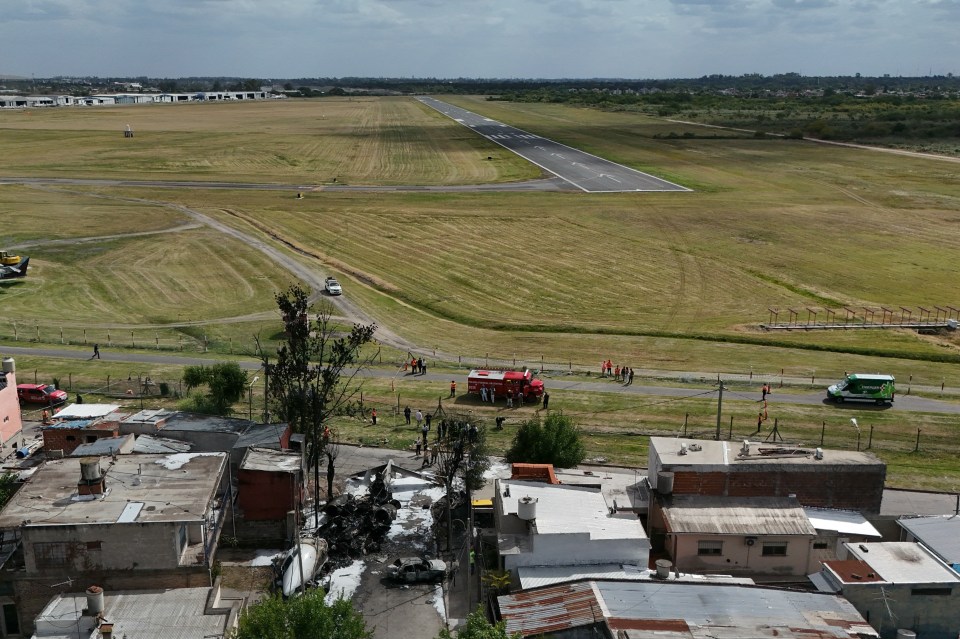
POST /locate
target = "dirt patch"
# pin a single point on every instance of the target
(253, 581)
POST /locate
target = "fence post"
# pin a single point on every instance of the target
(730, 434)
(751, 372)
(84, 337)
(686, 417)
(823, 429)
(180, 341)
(398, 403)
(571, 366)
(16, 337)
(231, 346)
(108, 340)
(870, 439)
(917, 447)
(108, 383)
(157, 336)
(813, 377)
(133, 343)
(61, 335)
(34, 376)
(909, 384)
(70, 377)
(38, 339)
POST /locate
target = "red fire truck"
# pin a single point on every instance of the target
(499, 381)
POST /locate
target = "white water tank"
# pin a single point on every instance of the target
(527, 508)
(9, 366)
(664, 482)
(663, 568)
(94, 601)
(90, 468)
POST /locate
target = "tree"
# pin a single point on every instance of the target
(225, 384)
(307, 616)
(556, 441)
(315, 376)
(8, 487)
(462, 454)
(477, 627)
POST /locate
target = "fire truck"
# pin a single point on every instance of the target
(500, 381)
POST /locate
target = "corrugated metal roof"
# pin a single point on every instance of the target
(846, 522)
(551, 609)
(649, 608)
(271, 461)
(148, 444)
(104, 446)
(903, 562)
(940, 534)
(736, 516)
(539, 576)
(172, 614)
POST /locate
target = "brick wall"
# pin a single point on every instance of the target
(67, 439)
(263, 495)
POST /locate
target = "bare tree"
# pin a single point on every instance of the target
(315, 375)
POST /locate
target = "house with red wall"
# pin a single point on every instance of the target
(11, 424)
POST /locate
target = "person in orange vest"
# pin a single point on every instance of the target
(373, 416)
(453, 388)
(616, 373)
(46, 416)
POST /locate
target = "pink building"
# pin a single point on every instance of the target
(11, 425)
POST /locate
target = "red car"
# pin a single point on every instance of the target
(45, 394)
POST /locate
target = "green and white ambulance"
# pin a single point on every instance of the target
(878, 388)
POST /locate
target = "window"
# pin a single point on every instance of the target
(11, 623)
(774, 549)
(714, 548)
(931, 592)
(820, 545)
(50, 554)
(94, 545)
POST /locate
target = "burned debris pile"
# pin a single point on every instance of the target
(356, 526)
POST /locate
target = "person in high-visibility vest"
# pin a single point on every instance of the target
(473, 561)
(453, 388)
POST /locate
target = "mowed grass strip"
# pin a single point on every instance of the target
(355, 140)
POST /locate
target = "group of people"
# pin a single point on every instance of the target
(417, 366)
(624, 374)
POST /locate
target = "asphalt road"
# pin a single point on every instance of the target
(585, 171)
(905, 403)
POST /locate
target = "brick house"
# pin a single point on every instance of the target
(11, 426)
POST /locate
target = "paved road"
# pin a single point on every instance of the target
(904, 403)
(581, 169)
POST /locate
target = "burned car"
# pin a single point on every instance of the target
(417, 569)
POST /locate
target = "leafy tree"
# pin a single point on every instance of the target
(315, 375)
(477, 627)
(556, 441)
(304, 617)
(8, 486)
(225, 384)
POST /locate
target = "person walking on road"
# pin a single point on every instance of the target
(764, 391)
(96, 352)
(406, 414)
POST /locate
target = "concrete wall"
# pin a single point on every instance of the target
(930, 616)
(11, 426)
(132, 546)
(738, 557)
(577, 548)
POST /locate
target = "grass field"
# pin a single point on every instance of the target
(662, 281)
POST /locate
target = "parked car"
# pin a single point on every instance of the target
(333, 286)
(417, 569)
(45, 394)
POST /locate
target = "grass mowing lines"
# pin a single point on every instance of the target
(195, 274)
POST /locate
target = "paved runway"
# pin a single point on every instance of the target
(585, 171)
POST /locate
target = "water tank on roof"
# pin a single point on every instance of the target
(663, 568)
(94, 601)
(9, 366)
(664, 482)
(527, 508)
(90, 468)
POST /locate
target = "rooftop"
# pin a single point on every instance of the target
(564, 509)
(674, 451)
(736, 515)
(845, 522)
(104, 446)
(538, 576)
(149, 444)
(87, 411)
(139, 488)
(940, 534)
(272, 461)
(180, 613)
(902, 562)
(649, 609)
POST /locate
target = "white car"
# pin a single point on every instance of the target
(332, 286)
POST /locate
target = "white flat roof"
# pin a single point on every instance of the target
(903, 562)
(570, 509)
(536, 576)
(845, 522)
(86, 411)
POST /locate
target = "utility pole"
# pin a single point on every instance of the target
(266, 389)
(719, 406)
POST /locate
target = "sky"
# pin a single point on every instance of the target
(269, 39)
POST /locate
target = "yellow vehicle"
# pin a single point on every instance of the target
(8, 259)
